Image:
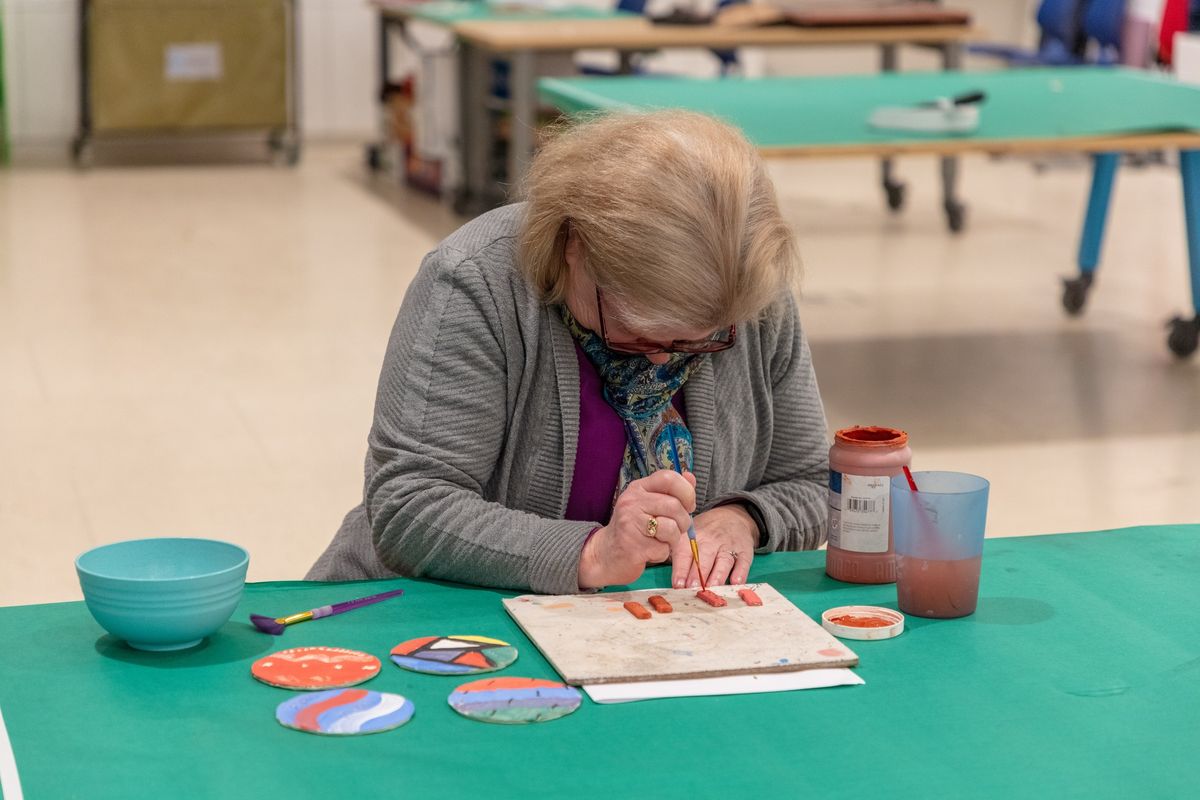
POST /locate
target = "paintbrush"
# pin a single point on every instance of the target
(276, 625)
(691, 525)
(912, 484)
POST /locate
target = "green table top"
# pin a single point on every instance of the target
(1042, 104)
(1079, 676)
(449, 12)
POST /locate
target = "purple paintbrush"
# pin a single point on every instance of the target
(276, 626)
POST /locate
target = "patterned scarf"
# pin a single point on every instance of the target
(640, 392)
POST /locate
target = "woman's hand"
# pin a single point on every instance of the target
(619, 552)
(727, 536)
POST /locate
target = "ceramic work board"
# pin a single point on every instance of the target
(592, 639)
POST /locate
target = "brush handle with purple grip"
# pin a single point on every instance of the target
(350, 605)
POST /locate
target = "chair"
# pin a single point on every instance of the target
(1104, 24)
(728, 58)
(1174, 19)
(1062, 42)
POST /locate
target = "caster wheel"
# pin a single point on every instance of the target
(895, 195)
(1184, 336)
(956, 217)
(81, 153)
(460, 202)
(1075, 292)
(373, 157)
(284, 147)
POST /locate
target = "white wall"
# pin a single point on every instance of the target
(337, 68)
(40, 69)
(338, 63)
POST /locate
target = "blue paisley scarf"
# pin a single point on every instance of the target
(640, 392)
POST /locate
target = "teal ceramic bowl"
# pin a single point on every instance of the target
(163, 594)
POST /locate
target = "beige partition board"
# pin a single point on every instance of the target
(592, 639)
(638, 33)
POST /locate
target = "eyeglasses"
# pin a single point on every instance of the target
(723, 340)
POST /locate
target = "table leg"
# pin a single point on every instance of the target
(956, 211)
(475, 130)
(522, 87)
(625, 63)
(377, 151)
(892, 188)
(385, 53)
(1075, 290)
(1185, 333)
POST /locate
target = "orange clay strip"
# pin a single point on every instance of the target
(714, 600)
(637, 609)
(660, 604)
(749, 597)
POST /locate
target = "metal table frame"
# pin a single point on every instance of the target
(479, 42)
(1183, 337)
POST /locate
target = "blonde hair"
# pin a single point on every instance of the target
(675, 213)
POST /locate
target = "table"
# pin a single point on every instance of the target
(1102, 111)
(1079, 676)
(519, 37)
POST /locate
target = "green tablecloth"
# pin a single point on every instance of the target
(788, 112)
(1079, 676)
(448, 12)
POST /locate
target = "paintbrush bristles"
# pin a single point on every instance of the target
(267, 624)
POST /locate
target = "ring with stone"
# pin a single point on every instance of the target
(652, 528)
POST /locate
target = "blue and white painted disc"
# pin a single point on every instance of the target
(345, 712)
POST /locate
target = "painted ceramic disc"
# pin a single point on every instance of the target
(345, 712)
(514, 701)
(309, 668)
(454, 655)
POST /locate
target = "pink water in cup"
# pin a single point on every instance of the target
(938, 534)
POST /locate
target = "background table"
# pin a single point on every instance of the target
(1103, 111)
(518, 37)
(1079, 676)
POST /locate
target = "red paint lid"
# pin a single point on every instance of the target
(837, 622)
(871, 436)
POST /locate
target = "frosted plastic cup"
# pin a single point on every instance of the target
(938, 535)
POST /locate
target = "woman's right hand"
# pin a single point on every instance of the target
(618, 553)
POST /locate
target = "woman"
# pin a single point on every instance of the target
(570, 379)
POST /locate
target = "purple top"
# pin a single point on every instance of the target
(601, 448)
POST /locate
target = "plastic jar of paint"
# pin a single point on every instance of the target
(862, 463)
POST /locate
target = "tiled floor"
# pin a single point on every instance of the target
(193, 350)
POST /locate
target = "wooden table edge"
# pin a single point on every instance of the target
(502, 36)
(1181, 140)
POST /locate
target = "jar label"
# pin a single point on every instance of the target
(858, 512)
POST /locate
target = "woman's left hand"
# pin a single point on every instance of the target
(726, 536)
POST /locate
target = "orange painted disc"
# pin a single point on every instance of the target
(312, 668)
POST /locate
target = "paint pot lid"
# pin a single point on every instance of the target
(895, 620)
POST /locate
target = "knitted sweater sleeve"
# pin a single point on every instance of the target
(792, 498)
(440, 425)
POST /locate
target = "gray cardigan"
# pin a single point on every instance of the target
(472, 452)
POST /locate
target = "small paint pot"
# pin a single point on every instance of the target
(864, 623)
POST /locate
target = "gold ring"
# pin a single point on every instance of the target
(652, 528)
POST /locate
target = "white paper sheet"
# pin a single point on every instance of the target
(731, 684)
(10, 781)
